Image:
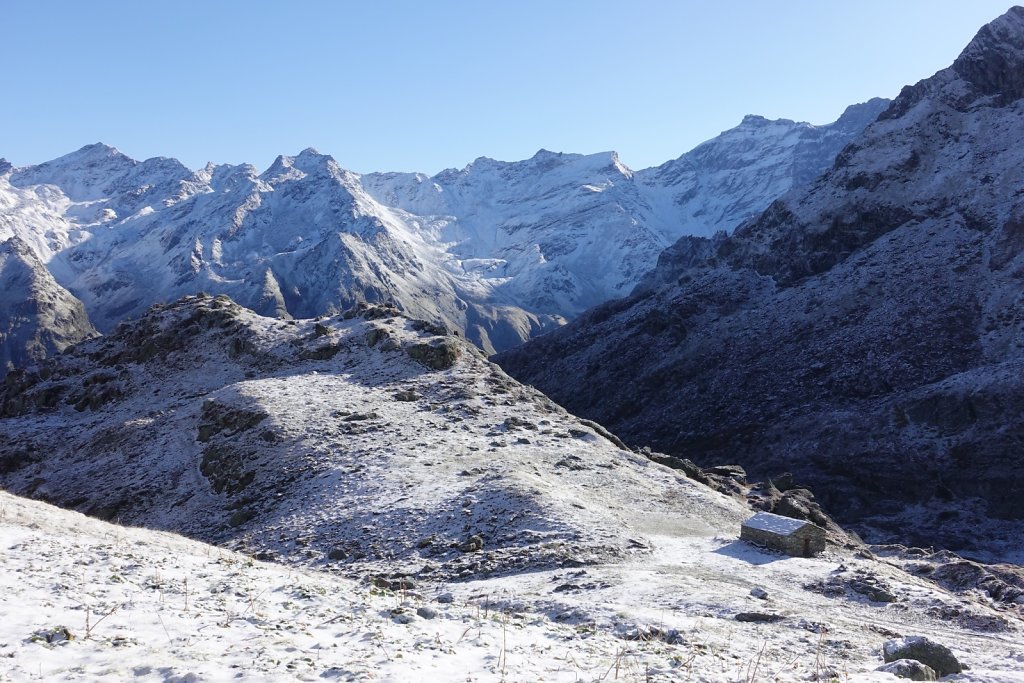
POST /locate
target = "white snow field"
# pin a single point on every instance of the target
(87, 600)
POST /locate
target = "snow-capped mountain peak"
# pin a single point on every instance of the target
(499, 250)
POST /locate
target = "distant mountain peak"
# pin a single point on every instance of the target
(311, 153)
(547, 154)
(97, 151)
(99, 148)
(753, 120)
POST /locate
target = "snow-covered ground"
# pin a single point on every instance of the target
(86, 600)
(364, 453)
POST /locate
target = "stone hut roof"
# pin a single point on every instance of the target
(776, 524)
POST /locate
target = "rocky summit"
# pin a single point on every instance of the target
(865, 332)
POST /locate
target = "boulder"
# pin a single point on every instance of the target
(759, 617)
(937, 656)
(472, 544)
(910, 669)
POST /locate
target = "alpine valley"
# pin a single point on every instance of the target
(866, 332)
(249, 428)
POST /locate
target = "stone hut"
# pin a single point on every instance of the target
(796, 537)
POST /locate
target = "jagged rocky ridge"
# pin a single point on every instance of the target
(365, 437)
(865, 332)
(499, 251)
(38, 317)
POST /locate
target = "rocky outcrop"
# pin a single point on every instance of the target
(400, 446)
(911, 669)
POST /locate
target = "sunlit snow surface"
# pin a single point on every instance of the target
(151, 606)
(766, 521)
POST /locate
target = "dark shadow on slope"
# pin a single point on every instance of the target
(749, 553)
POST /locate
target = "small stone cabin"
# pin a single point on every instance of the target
(796, 537)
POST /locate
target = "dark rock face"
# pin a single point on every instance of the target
(994, 61)
(438, 354)
(864, 333)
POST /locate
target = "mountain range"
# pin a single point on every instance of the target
(498, 251)
(865, 332)
(291, 369)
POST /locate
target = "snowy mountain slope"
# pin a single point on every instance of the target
(149, 606)
(38, 317)
(301, 239)
(500, 251)
(354, 438)
(565, 232)
(733, 177)
(864, 332)
(35, 215)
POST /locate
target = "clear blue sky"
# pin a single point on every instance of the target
(421, 86)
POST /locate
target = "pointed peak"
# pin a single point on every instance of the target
(875, 104)
(97, 153)
(310, 160)
(546, 154)
(97, 150)
(5, 166)
(753, 120)
(860, 115)
(282, 165)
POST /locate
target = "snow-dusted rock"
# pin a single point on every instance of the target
(911, 669)
(38, 317)
(934, 655)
